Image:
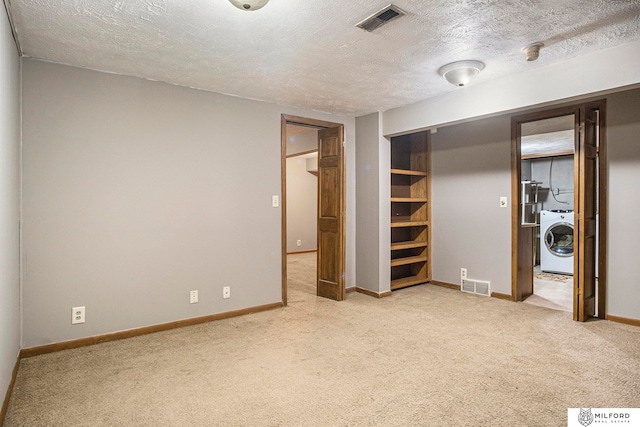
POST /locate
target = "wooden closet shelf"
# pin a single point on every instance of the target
(398, 246)
(409, 223)
(408, 281)
(408, 260)
(407, 172)
(410, 203)
(409, 199)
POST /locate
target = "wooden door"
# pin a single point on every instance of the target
(331, 247)
(586, 160)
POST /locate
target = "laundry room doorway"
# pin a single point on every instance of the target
(558, 167)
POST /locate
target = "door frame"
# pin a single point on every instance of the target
(286, 119)
(522, 237)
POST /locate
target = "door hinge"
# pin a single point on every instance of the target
(581, 128)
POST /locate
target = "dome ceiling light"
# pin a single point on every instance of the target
(249, 4)
(460, 73)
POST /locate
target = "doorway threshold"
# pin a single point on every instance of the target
(554, 291)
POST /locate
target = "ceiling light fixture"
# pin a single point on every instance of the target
(460, 73)
(249, 4)
(532, 51)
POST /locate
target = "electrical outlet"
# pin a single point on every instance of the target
(275, 201)
(193, 297)
(463, 273)
(299, 243)
(77, 315)
(226, 292)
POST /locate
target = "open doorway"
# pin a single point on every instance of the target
(547, 177)
(301, 210)
(558, 167)
(327, 166)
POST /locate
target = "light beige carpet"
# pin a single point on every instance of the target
(426, 356)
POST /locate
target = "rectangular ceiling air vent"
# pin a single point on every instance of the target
(381, 17)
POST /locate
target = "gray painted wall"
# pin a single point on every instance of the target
(471, 170)
(372, 201)
(9, 203)
(623, 137)
(561, 179)
(302, 206)
(136, 192)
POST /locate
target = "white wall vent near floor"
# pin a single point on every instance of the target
(480, 287)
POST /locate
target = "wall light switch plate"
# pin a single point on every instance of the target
(503, 202)
(275, 201)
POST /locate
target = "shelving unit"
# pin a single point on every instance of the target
(410, 210)
(529, 203)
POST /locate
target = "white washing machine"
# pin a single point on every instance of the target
(556, 241)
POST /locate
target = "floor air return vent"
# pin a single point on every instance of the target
(479, 287)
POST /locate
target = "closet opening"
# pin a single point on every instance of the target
(558, 167)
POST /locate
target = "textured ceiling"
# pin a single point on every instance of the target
(308, 53)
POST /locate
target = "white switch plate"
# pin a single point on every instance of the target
(299, 243)
(503, 202)
(193, 297)
(226, 292)
(77, 315)
(275, 201)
